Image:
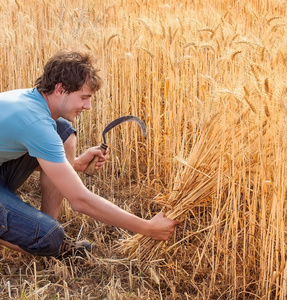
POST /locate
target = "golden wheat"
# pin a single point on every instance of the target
(213, 158)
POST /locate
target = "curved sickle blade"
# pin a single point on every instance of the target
(121, 120)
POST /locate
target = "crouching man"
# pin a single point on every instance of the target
(35, 132)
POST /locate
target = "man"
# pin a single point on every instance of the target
(35, 131)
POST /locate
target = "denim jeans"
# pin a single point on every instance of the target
(20, 223)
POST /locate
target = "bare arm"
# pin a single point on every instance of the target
(81, 199)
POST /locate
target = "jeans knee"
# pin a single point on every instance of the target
(56, 240)
(49, 244)
(23, 225)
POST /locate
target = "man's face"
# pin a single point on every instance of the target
(71, 105)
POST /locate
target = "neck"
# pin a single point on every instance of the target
(49, 100)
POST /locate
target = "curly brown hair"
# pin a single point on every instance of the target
(71, 68)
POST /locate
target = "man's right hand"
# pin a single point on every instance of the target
(82, 161)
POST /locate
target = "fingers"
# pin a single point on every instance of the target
(162, 214)
(97, 151)
(163, 227)
(102, 155)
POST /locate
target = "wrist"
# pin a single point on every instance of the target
(76, 165)
(146, 228)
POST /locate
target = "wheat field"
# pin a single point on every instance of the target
(208, 78)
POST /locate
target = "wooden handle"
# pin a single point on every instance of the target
(90, 170)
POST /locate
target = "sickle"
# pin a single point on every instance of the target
(90, 170)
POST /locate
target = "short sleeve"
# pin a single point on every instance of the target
(42, 141)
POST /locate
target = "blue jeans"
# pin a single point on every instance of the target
(20, 223)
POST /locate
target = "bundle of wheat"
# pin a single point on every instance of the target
(203, 175)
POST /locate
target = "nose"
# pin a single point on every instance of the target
(87, 104)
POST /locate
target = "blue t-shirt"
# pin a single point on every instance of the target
(26, 125)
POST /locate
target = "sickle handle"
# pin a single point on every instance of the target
(90, 170)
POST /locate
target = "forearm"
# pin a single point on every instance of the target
(83, 200)
(108, 213)
(71, 187)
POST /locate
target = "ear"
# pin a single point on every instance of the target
(59, 90)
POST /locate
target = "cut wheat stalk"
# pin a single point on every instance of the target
(196, 183)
